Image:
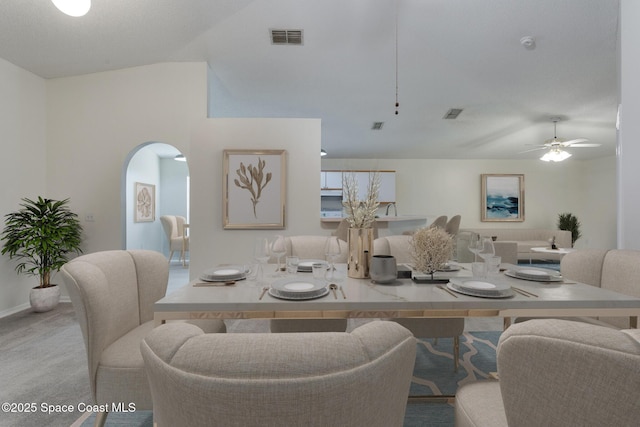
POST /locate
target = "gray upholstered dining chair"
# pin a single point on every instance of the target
(360, 378)
(453, 225)
(113, 294)
(439, 222)
(399, 247)
(174, 228)
(557, 373)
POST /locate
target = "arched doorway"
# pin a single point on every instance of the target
(152, 167)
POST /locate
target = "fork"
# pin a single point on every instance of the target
(264, 291)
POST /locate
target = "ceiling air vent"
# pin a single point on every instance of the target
(377, 125)
(453, 113)
(286, 37)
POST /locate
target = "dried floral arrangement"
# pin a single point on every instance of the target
(361, 213)
(253, 180)
(431, 248)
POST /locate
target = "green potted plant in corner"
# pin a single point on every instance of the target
(568, 221)
(41, 236)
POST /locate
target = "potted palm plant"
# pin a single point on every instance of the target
(41, 236)
(568, 221)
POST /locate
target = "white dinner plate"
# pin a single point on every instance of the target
(306, 264)
(476, 284)
(535, 274)
(298, 289)
(223, 274)
(503, 293)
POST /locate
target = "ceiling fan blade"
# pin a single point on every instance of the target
(584, 145)
(541, 147)
(572, 142)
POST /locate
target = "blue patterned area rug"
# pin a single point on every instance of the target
(433, 375)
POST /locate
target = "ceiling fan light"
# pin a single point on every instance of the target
(73, 7)
(555, 155)
(180, 158)
(323, 152)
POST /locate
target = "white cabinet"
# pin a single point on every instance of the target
(331, 180)
(387, 191)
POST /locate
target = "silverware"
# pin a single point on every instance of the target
(444, 288)
(523, 292)
(333, 288)
(264, 291)
(344, 296)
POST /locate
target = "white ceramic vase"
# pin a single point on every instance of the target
(44, 299)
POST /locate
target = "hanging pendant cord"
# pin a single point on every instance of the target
(397, 103)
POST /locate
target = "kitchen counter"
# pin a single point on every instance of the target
(389, 218)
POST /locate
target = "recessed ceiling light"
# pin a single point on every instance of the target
(73, 8)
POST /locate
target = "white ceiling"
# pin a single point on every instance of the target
(450, 53)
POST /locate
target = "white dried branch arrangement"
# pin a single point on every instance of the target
(361, 213)
(431, 248)
(251, 178)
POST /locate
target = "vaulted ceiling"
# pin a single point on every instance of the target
(356, 56)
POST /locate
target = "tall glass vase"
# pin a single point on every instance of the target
(360, 243)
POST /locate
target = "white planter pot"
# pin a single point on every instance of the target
(44, 299)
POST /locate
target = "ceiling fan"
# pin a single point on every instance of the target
(556, 146)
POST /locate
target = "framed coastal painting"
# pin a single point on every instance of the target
(254, 189)
(144, 203)
(502, 197)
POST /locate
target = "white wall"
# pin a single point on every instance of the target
(96, 120)
(210, 244)
(23, 166)
(449, 187)
(629, 134)
(144, 167)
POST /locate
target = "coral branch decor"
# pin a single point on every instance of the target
(431, 248)
(254, 189)
(253, 180)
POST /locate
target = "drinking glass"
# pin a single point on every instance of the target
(292, 264)
(278, 249)
(261, 255)
(332, 251)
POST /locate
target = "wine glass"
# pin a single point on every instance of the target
(474, 245)
(486, 248)
(278, 249)
(261, 255)
(332, 251)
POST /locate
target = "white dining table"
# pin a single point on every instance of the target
(245, 299)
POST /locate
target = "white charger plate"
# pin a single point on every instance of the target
(503, 293)
(535, 274)
(223, 274)
(294, 288)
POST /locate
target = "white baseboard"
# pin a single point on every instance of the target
(14, 310)
(26, 305)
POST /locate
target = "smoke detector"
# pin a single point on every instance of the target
(528, 42)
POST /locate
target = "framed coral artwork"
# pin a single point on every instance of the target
(502, 197)
(145, 202)
(254, 189)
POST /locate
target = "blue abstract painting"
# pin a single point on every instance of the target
(502, 197)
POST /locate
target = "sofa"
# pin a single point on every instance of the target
(557, 373)
(527, 238)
